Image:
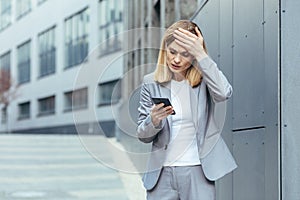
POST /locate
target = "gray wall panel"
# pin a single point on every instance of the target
(290, 95)
(208, 21)
(224, 186)
(272, 148)
(243, 39)
(215, 25)
(248, 64)
(248, 179)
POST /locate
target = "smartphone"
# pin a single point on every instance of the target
(166, 101)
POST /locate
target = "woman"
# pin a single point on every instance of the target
(188, 154)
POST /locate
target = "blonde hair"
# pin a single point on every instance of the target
(162, 72)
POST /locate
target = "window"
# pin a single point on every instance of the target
(47, 52)
(76, 37)
(5, 83)
(46, 106)
(23, 7)
(3, 115)
(5, 14)
(24, 63)
(110, 25)
(24, 110)
(109, 92)
(5, 61)
(77, 99)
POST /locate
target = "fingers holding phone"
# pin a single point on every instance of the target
(160, 112)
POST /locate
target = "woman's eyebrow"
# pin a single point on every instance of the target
(172, 49)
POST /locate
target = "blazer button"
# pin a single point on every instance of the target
(166, 146)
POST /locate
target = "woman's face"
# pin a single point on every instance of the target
(178, 59)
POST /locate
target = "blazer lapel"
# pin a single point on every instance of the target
(194, 103)
(165, 90)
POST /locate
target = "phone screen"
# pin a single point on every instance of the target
(166, 101)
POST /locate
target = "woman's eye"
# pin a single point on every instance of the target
(173, 52)
(185, 54)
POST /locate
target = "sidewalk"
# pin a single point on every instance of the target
(132, 182)
(59, 167)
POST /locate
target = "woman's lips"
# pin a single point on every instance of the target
(175, 67)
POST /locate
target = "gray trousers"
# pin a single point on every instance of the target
(183, 183)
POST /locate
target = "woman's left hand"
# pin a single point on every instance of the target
(191, 42)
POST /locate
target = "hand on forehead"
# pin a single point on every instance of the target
(175, 46)
(182, 34)
(194, 44)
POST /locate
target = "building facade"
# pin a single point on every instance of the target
(52, 49)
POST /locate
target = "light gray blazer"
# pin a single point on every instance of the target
(215, 157)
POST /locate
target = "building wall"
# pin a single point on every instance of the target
(290, 109)
(94, 70)
(243, 39)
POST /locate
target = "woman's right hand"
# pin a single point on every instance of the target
(159, 112)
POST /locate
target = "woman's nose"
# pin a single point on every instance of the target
(177, 58)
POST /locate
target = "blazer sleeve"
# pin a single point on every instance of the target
(218, 86)
(146, 130)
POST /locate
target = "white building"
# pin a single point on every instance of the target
(51, 48)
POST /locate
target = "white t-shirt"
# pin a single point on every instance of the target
(182, 149)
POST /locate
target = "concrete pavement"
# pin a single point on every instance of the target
(58, 167)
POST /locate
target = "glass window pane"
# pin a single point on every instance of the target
(5, 61)
(3, 115)
(24, 110)
(47, 105)
(110, 25)
(24, 63)
(109, 92)
(23, 7)
(76, 99)
(76, 39)
(47, 52)
(5, 13)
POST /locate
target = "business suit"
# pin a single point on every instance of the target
(215, 158)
